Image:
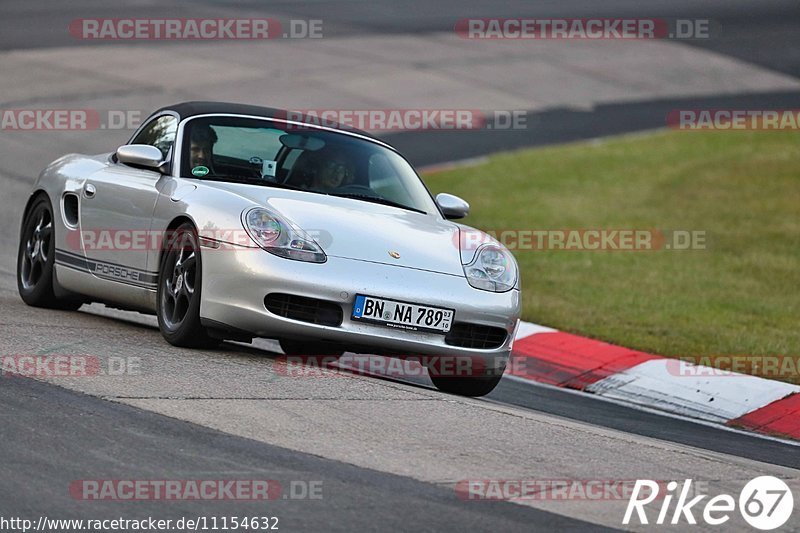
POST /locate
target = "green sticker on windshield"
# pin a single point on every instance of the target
(200, 171)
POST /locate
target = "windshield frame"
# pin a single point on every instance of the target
(178, 155)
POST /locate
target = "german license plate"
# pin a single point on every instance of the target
(402, 315)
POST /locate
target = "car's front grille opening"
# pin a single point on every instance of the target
(304, 309)
(478, 336)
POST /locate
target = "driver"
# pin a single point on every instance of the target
(201, 144)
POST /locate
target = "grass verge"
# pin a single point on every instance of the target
(738, 296)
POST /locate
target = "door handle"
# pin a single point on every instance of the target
(89, 190)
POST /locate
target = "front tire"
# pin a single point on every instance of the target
(466, 386)
(179, 288)
(480, 384)
(36, 259)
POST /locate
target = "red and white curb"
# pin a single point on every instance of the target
(545, 355)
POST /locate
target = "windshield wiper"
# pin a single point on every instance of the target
(378, 200)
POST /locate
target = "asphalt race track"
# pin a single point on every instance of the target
(386, 453)
(138, 444)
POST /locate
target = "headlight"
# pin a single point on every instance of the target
(277, 236)
(492, 269)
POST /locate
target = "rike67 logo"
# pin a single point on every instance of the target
(765, 503)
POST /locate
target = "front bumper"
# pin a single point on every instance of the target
(236, 281)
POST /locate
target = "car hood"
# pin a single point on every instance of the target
(354, 229)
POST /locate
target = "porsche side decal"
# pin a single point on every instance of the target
(106, 270)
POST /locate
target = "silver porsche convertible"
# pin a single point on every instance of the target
(232, 222)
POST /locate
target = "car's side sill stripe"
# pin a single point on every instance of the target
(82, 257)
(108, 271)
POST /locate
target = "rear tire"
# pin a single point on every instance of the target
(179, 289)
(36, 259)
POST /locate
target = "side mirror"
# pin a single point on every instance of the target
(452, 206)
(142, 155)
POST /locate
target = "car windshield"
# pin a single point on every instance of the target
(271, 153)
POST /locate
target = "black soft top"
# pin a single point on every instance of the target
(190, 109)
